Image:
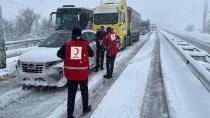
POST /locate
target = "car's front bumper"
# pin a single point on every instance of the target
(49, 77)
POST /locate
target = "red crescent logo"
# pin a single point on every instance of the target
(77, 51)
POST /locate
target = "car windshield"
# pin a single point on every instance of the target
(56, 40)
(111, 18)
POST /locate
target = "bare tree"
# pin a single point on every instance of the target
(45, 27)
(9, 29)
(25, 20)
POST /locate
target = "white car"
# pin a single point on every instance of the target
(41, 66)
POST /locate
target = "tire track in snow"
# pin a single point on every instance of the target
(155, 104)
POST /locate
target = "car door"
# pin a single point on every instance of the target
(90, 36)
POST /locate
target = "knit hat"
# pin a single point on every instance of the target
(109, 29)
(77, 31)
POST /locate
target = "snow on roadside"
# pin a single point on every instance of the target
(17, 52)
(186, 96)
(9, 98)
(96, 79)
(125, 97)
(197, 35)
(11, 62)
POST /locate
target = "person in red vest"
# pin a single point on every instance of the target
(110, 44)
(75, 54)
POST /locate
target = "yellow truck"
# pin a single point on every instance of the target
(123, 19)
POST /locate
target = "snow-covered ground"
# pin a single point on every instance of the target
(124, 99)
(198, 35)
(17, 52)
(11, 62)
(186, 96)
(52, 103)
(97, 80)
(12, 57)
(194, 36)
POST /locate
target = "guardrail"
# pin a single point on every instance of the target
(198, 70)
(195, 41)
(11, 45)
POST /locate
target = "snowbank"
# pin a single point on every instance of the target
(124, 99)
(186, 96)
(11, 62)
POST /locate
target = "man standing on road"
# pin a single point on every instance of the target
(100, 50)
(110, 43)
(76, 69)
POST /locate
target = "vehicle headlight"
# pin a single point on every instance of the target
(52, 63)
(55, 73)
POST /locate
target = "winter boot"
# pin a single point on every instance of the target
(107, 76)
(87, 110)
(71, 116)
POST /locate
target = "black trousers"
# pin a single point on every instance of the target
(100, 57)
(72, 90)
(110, 64)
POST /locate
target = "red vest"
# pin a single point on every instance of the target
(110, 42)
(76, 63)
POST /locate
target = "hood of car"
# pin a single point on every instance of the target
(40, 55)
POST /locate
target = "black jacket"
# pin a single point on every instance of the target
(61, 52)
(99, 36)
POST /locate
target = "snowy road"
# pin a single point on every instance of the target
(44, 103)
(150, 80)
(129, 88)
(186, 96)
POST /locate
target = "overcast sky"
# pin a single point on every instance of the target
(177, 13)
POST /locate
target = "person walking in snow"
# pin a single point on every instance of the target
(100, 50)
(76, 69)
(110, 44)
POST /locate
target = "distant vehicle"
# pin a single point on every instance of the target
(42, 67)
(124, 20)
(153, 27)
(69, 16)
(145, 27)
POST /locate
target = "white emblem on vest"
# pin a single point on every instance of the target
(113, 37)
(76, 53)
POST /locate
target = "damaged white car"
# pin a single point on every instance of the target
(41, 66)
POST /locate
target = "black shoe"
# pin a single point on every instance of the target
(87, 110)
(70, 117)
(96, 70)
(102, 68)
(107, 76)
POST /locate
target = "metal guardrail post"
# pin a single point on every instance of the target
(2, 43)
